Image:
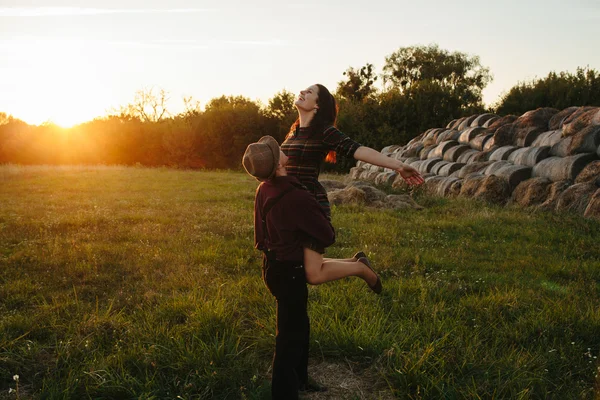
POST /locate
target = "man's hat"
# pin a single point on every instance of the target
(261, 158)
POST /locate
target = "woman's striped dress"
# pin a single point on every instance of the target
(307, 150)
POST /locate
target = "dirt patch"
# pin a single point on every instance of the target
(346, 380)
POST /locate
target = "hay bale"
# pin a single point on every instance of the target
(355, 172)
(455, 188)
(561, 148)
(576, 198)
(449, 168)
(401, 202)
(529, 156)
(469, 134)
(478, 142)
(450, 134)
(466, 157)
(411, 160)
(593, 208)
(412, 150)
(513, 174)
(425, 152)
(504, 135)
(428, 165)
(590, 173)
(451, 124)
(454, 152)
(482, 119)
(495, 166)
(470, 184)
(494, 189)
(436, 168)
(586, 140)
(507, 120)
(387, 150)
(582, 118)
(445, 185)
(473, 167)
(554, 191)
(371, 193)
(538, 118)
(429, 139)
(432, 184)
(330, 184)
(375, 168)
(559, 169)
(526, 136)
(349, 195)
(385, 178)
(502, 153)
(371, 175)
(490, 144)
(466, 123)
(437, 132)
(481, 156)
(549, 138)
(490, 121)
(457, 123)
(442, 148)
(557, 119)
(531, 192)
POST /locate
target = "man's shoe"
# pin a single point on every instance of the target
(377, 287)
(360, 254)
(312, 386)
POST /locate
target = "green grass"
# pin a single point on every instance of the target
(143, 283)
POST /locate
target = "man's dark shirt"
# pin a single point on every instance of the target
(294, 221)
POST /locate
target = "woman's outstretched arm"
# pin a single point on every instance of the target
(371, 156)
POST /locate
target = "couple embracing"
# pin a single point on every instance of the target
(292, 226)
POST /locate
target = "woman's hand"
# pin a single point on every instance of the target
(410, 175)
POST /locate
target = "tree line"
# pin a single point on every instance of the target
(422, 87)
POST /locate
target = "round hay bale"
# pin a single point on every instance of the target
(466, 156)
(387, 150)
(371, 193)
(576, 198)
(360, 164)
(593, 208)
(432, 184)
(457, 123)
(450, 134)
(450, 168)
(371, 175)
(454, 152)
(531, 192)
(513, 174)
(494, 189)
(455, 188)
(401, 202)
(590, 173)
(557, 119)
(442, 148)
(425, 152)
(436, 168)
(526, 136)
(478, 142)
(549, 138)
(385, 178)
(490, 121)
(538, 118)
(502, 153)
(349, 195)
(413, 150)
(470, 184)
(355, 172)
(580, 119)
(490, 144)
(561, 148)
(559, 169)
(554, 191)
(495, 166)
(330, 184)
(504, 135)
(466, 123)
(427, 166)
(507, 120)
(451, 123)
(473, 167)
(469, 134)
(429, 139)
(437, 132)
(586, 140)
(529, 156)
(445, 185)
(481, 156)
(411, 160)
(482, 119)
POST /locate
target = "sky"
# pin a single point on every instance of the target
(71, 61)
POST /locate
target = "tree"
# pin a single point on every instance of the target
(281, 112)
(358, 84)
(460, 74)
(147, 106)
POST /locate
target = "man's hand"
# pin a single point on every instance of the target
(410, 175)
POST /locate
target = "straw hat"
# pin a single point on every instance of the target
(261, 158)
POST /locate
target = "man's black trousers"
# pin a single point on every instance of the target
(287, 282)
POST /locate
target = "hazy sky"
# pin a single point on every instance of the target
(69, 61)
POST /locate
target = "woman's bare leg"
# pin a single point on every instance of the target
(319, 271)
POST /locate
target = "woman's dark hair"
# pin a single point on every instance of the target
(325, 117)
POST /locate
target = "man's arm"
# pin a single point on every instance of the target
(258, 228)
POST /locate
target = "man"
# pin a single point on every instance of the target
(287, 218)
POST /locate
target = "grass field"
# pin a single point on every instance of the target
(143, 283)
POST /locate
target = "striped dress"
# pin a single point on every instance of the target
(307, 150)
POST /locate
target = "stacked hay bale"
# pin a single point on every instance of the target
(545, 158)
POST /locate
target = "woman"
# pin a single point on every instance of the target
(313, 138)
